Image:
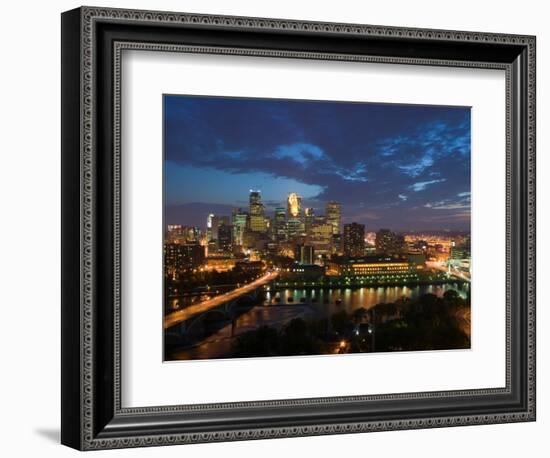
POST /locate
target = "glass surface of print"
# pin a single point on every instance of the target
(297, 227)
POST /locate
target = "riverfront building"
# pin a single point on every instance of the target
(372, 266)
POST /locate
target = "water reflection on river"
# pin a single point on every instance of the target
(281, 307)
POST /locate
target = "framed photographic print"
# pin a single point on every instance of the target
(278, 228)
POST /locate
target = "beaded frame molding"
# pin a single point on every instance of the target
(93, 40)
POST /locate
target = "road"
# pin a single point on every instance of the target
(188, 312)
(443, 267)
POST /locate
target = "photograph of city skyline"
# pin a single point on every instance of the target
(300, 227)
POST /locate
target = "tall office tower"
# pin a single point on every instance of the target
(334, 216)
(309, 217)
(320, 237)
(225, 238)
(215, 222)
(294, 228)
(257, 212)
(238, 220)
(209, 227)
(354, 239)
(304, 254)
(279, 224)
(295, 223)
(294, 205)
(192, 233)
(389, 243)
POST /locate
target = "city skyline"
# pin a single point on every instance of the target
(403, 167)
(269, 211)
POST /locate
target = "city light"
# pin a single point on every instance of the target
(253, 253)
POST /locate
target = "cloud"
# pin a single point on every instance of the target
(427, 146)
(358, 173)
(349, 152)
(299, 152)
(451, 204)
(422, 185)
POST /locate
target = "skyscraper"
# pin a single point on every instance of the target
(279, 229)
(389, 243)
(294, 228)
(238, 220)
(354, 239)
(320, 237)
(294, 205)
(309, 217)
(334, 215)
(295, 223)
(209, 227)
(217, 221)
(304, 254)
(257, 212)
(225, 233)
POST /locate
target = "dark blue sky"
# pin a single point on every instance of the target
(406, 167)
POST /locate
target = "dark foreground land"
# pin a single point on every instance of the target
(428, 322)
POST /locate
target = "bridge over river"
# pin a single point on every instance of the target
(180, 321)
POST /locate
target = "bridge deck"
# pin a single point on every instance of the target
(183, 315)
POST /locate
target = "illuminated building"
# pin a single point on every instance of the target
(334, 215)
(225, 238)
(309, 272)
(309, 217)
(433, 239)
(294, 205)
(255, 240)
(219, 263)
(389, 243)
(304, 254)
(239, 220)
(279, 225)
(182, 256)
(460, 254)
(320, 238)
(370, 239)
(294, 225)
(294, 228)
(209, 219)
(193, 234)
(354, 239)
(337, 241)
(250, 266)
(372, 266)
(175, 233)
(213, 222)
(256, 221)
(286, 249)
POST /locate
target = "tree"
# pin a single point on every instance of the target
(340, 321)
(360, 314)
(260, 342)
(296, 340)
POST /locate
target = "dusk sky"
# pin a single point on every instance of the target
(403, 167)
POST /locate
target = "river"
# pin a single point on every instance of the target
(285, 305)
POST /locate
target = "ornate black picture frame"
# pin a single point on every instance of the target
(92, 42)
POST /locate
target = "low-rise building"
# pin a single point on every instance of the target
(372, 266)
